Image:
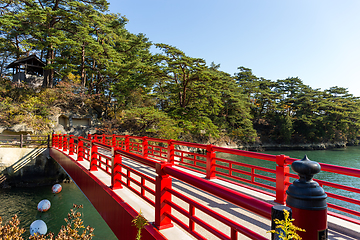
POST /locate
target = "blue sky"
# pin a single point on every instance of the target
(317, 41)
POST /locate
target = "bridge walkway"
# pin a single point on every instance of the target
(338, 229)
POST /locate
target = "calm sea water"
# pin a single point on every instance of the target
(23, 201)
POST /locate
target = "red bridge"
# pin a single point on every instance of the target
(191, 191)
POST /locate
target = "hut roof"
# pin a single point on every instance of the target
(31, 60)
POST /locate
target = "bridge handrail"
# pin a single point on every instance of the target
(252, 204)
(258, 207)
(170, 151)
(24, 140)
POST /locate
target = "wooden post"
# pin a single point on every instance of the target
(163, 182)
(281, 179)
(21, 140)
(210, 163)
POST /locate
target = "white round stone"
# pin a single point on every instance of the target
(39, 227)
(56, 188)
(44, 205)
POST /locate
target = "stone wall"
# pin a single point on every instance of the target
(28, 167)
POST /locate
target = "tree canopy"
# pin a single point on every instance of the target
(95, 64)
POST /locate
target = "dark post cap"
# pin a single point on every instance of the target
(306, 169)
(305, 193)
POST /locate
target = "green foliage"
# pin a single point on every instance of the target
(287, 228)
(149, 121)
(139, 222)
(287, 111)
(96, 66)
(74, 225)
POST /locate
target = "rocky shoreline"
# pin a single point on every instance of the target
(259, 147)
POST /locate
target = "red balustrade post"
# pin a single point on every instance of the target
(103, 138)
(114, 140)
(80, 151)
(71, 145)
(89, 136)
(145, 147)
(210, 162)
(171, 152)
(65, 143)
(163, 182)
(60, 143)
(308, 201)
(56, 140)
(53, 139)
(93, 159)
(127, 143)
(116, 169)
(281, 179)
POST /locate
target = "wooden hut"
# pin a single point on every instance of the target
(29, 70)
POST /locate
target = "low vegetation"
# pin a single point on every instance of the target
(74, 229)
(286, 230)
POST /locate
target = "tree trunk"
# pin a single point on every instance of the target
(82, 67)
(49, 73)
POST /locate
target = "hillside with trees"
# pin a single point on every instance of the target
(96, 66)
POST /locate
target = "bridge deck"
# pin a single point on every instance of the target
(338, 229)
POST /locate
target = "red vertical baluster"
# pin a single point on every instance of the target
(210, 163)
(191, 221)
(53, 139)
(145, 147)
(252, 174)
(281, 179)
(94, 154)
(71, 145)
(234, 235)
(114, 140)
(127, 143)
(80, 150)
(116, 169)
(60, 141)
(142, 187)
(65, 142)
(171, 152)
(163, 182)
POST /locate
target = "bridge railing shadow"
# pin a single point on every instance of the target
(21, 163)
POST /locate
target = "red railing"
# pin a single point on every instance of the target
(206, 159)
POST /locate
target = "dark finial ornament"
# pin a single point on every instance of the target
(305, 193)
(306, 169)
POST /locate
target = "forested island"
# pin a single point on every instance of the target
(94, 65)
